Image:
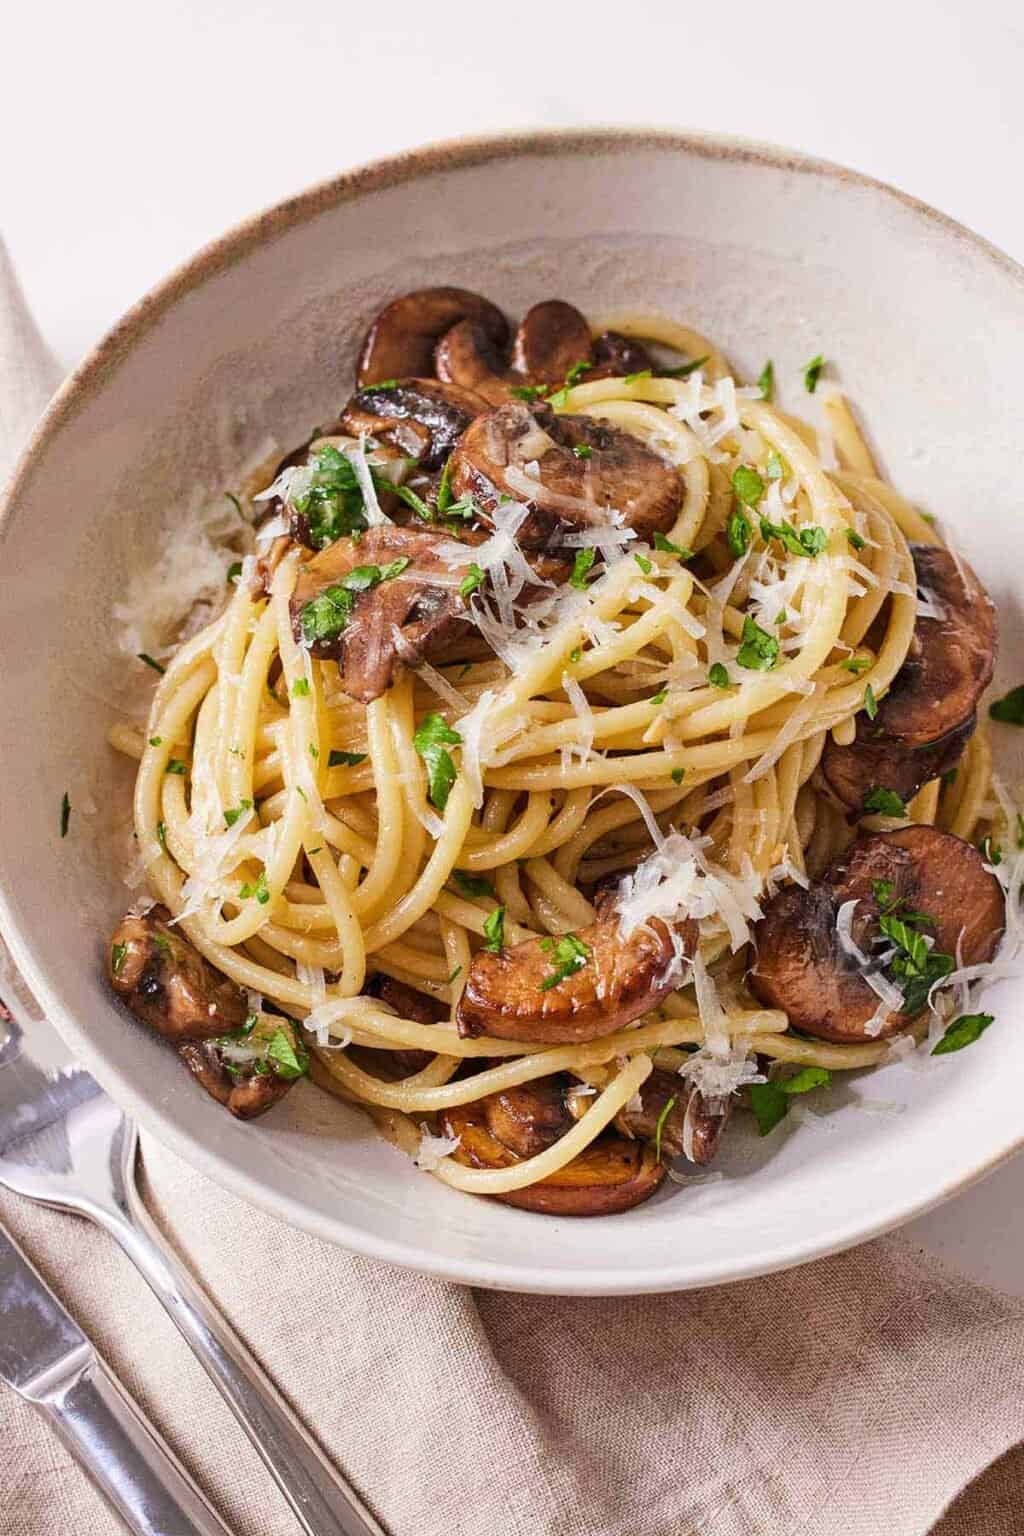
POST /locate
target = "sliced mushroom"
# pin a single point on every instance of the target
(526, 452)
(692, 1127)
(613, 1174)
(928, 715)
(421, 417)
(400, 342)
(615, 356)
(801, 964)
(512, 996)
(530, 1118)
(551, 340)
(408, 1004)
(167, 983)
(243, 1090)
(396, 623)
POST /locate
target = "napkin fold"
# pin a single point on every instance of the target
(858, 1396)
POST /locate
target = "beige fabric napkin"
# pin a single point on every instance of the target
(854, 1397)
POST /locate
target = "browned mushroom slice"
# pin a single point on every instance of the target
(849, 774)
(613, 1174)
(378, 628)
(552, 338)
(691, 1128)
(244, 1091)
(421, 417)
(530, 1118)
(166, 982)
(929, 712)
(408, 1004)
(560, 991)
(801, 964)
(527, 453)
(468, 357)
(615, 356)
(400, 342)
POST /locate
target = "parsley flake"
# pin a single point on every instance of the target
(583, 451)
(766, 381)
(685, 369)
(339, 759)
(151, 663)
(884, 802)
(738, 534)
(118, 955)
(660, 1126)
(812, 373)
(568, 955)
(581, 565)
(870, 702)
(472, 885)
(431, 741)
(175, 765)
(473, 578)
(257, 888)
(494, 931)
(231, 816)
(645, 565)
(759, 651)
(748, 485)
(668, 548)
(962, 1032)
(1010, 708)
(300, 688)
(718, 677)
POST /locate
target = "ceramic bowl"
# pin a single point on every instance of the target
(775, 256)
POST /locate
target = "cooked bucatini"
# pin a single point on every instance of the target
(585, 747)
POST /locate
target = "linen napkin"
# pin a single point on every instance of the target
(859, 1396)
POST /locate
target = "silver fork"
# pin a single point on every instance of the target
(64, 1143)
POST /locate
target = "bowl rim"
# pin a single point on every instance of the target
(221, 254)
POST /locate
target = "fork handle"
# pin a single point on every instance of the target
(324, 1503)
(130, 1464)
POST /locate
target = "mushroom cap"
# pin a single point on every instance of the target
(552, 338)
(621, 980)
(615, 356)
(849, 774)
(400, 342)
(167, 983)
(245, 1095)
(612, 1174)
(394, 624)
(801, 967)
(423, 417)
(621, 474)
(692, 1128)
(950, 661)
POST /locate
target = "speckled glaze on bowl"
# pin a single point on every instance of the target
(775, 255)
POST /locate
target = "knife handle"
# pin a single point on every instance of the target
(128, 1461)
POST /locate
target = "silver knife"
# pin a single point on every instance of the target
(46, 1357)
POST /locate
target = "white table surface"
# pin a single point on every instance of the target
(133, 132)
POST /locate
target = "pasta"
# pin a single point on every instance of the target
(670, 696)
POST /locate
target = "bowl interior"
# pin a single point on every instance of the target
(775, 257)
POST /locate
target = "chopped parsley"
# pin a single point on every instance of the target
(155, 741)
(660, 696)
(677, 775)
(257, 888)
(812, 373)
(471, 580)
(234, 571)
(1010, 708)
(576, 372)
(231, 816)
(472, 885)
(175, 765)
(576, 653)
(444, 496)
(775, 469)
(568, 955)
(431, 741)
(855, 664)
(580, 566)
(990, 851)
(685, 369)
(660, 1126)
(235, 503)
(454, 976)
(300, 688)
(404, 493)
(854, 539)
(766, 381)
(759, 651)
(962, 1032)
(770, 1101)
(870, 702)
(494, 931)
(718, 677)
(161, 833)
(913, 966)
(748, 485)
(668, 548)
(314, 752)
(560, 398)
(805, 541)
(738, 533)
(527, 392)
(339, 759)
(284, 1057)
(151, 663)
(332, 504)
(325, 616)
(118, 955)
(635, 378)
(645, 565)
(583, 451)
(65, 814)
(375, 389)
(884, 802)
